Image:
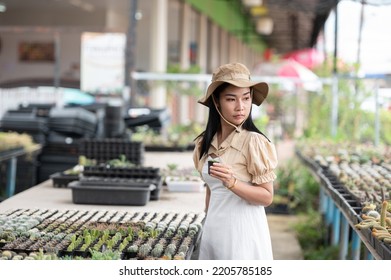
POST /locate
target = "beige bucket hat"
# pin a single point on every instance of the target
(238, 75)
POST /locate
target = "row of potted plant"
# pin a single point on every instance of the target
(362, 170)
(82, 233)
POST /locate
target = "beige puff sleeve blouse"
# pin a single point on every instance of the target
(252, 156)
(262, 159)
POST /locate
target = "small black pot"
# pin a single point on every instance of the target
(210, 163)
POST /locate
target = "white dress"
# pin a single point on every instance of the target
(234, 229)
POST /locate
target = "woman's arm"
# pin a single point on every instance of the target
(254, 194)
(261, 194)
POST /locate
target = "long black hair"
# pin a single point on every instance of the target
(214, 122)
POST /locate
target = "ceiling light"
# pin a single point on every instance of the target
(3, 7)
(138, 15)
(252, 3)
(265, 26)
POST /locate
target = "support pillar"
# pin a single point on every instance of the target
(336, 225)
(184, 60)
(356, 246)
(214, 48)
(224, 47)
(158, 37)
(202, 60)
(11, 177)
(344, 247)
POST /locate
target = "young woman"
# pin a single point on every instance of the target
(240, 184)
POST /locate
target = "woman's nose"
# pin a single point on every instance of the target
(239, 105)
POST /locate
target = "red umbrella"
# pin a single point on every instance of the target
(309, 57)
(292, 69)
(289, 68)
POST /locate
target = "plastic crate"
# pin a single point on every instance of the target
(73, 120)
(103, 150)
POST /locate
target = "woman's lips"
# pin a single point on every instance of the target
(238, 117)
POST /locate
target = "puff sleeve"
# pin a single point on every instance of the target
(196, 154)
(262, 159)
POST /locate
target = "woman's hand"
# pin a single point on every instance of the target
(255, 194)
(223, 172)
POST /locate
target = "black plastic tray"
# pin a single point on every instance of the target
(123, 182)
(123, 172)
(130, 182)
(110, 195)
(61, 180)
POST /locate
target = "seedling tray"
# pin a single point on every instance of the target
(103, 150)
(110, 195)
(61, 180)
(130, 183)
(123, 172)
(124, 182)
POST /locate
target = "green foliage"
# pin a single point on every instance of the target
(279, 106)
(120, 162)
(367, 129)
(261, 122)
(318, 125)
(296, 184)
(311, 233)
(84, 161)
(106, 255)
(45, 256)
(178, 135)
(189, 88)
(354, 123)
(322, 253)
(176, 68)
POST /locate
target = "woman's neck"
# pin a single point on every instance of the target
(223, 133)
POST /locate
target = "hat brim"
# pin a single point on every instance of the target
(260, 90)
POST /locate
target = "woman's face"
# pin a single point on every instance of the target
(235, 104)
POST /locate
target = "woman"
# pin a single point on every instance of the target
(240, 185)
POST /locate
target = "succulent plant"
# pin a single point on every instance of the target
(157, 251)
(170, 250)
(144, 250)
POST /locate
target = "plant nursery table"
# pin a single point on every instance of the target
(341, 215)
(45, 196)
(11, 159)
